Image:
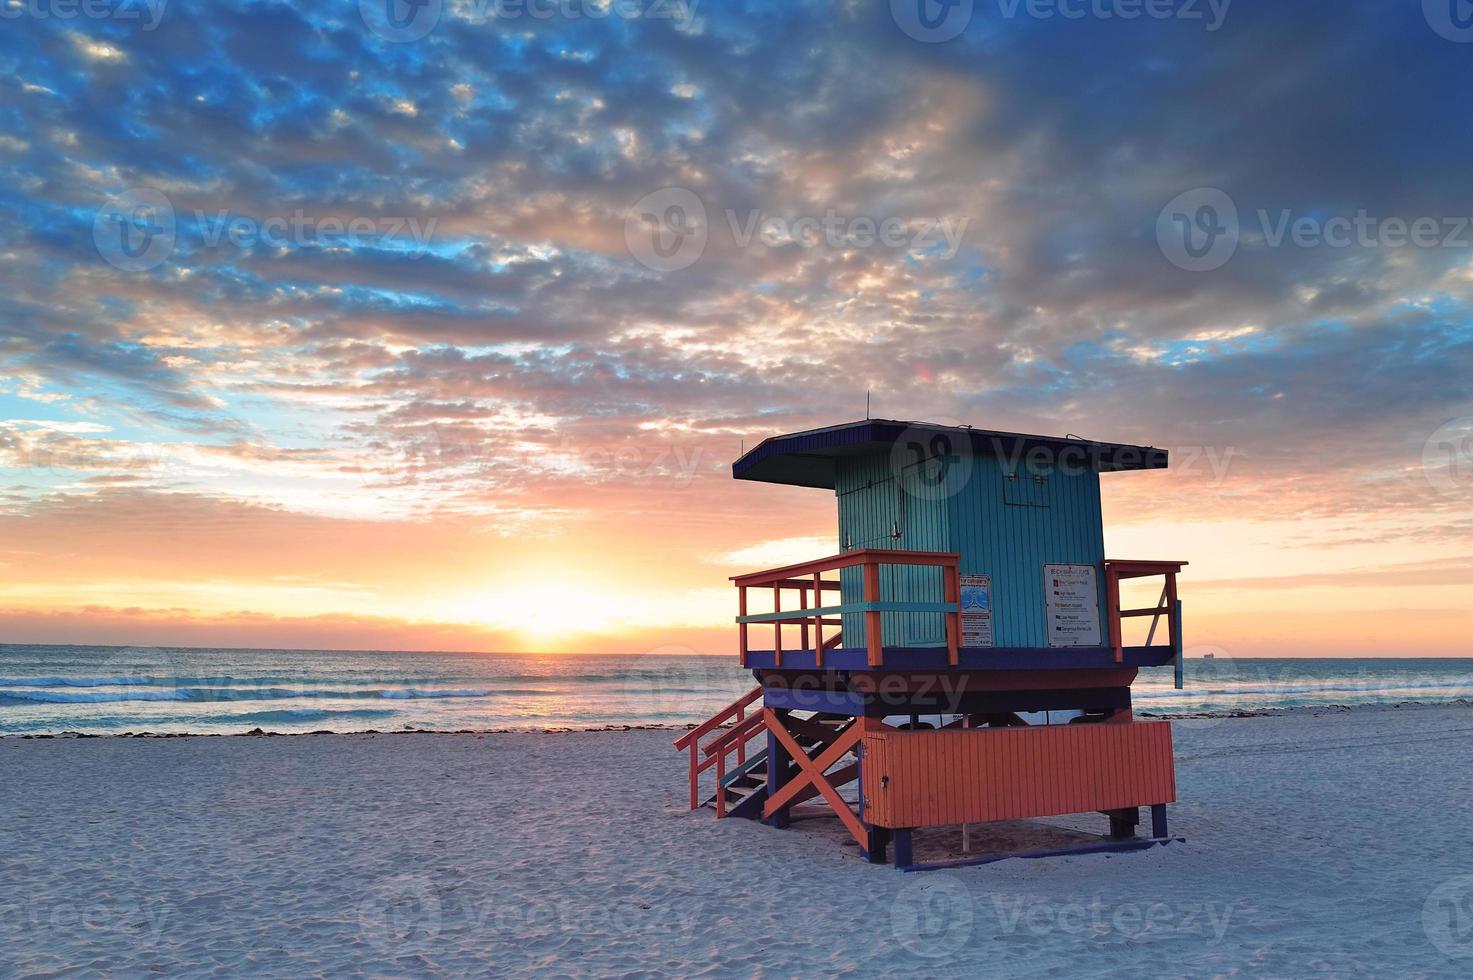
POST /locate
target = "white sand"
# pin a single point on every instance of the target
(1327, 846)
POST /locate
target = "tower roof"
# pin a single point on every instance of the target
(806, 459)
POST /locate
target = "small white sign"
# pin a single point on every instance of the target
(976, 600)
(1073, 598)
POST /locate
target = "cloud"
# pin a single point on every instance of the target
(515, 362)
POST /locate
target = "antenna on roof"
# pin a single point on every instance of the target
(866, 404)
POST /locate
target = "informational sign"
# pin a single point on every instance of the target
(976, 610)
(1073, 598)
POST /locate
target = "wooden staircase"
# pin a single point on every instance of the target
(741, 792)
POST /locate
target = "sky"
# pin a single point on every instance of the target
(438, 326)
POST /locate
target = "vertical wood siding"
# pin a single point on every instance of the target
(1059, 524)
(939, 778)
(876, 500)
(1055, 522)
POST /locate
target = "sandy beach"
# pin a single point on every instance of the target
(1332, 844)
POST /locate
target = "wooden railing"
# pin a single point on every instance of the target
(807, 579)
(736, 713)
(735, 739)
(1167, 606)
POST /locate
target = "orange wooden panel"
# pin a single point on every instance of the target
(935, 778)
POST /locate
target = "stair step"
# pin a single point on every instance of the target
(753, 763)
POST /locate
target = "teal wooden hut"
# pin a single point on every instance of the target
(970, 557)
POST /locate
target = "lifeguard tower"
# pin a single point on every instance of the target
(963, 659)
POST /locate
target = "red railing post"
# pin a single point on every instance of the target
(695, 779)
(742, 628)
(818, 619)
(1112, 596)
(720, 790)
(777, 627)
(803, 626)
(1171, 603)
(872, 635)
(741, 746)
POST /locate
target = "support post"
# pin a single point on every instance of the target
(1176, 641)
(879, 840)
(1158, 821)
(1123, 823)
(903, 856)
(777, 773)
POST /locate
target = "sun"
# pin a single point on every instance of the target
(542, 612)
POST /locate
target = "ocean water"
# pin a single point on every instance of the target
(111, 690)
